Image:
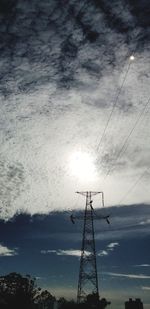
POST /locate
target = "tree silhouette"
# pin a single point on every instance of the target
(45, 300)
(17, 291)
(21, 292)
(66, 304)
(92, 301)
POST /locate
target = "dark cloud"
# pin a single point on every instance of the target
(45, 42)
(52, 233)
(141, 11)
(58, 223)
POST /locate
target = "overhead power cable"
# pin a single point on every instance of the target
(134, 185)
(127, 138)
(114, 104)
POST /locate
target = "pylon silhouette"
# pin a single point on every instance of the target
(88, 279)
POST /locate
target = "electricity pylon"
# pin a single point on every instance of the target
(88, 279)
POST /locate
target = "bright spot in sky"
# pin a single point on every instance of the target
(132, 57)
(82, 166)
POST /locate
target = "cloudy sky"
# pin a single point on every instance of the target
(48, 248)
(75, 110)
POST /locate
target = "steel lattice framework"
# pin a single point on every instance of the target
(88, 280)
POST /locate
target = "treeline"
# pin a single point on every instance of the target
(22, 292)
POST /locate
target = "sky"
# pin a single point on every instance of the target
(75, 110)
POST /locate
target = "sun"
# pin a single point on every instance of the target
(82, 165)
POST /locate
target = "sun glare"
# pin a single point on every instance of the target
(132, 57)
(82, 166)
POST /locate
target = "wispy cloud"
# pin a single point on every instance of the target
(112, 246)
(142, 265)
(48, 251)
(147, 221)
(102, 253)
(109, 247)
(39, 277)
(70, 252)
(130, 276)
(5, 251)
(147, 288)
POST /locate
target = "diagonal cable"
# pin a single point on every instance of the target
(113, 107)
(134, 185)
(128, 137)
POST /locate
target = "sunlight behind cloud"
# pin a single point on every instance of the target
(81, 165)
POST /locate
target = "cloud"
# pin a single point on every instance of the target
(147, 221)
(142, 265)
(146, 288)
(48, 251)
(5, 251)
(130, 276)
(11, 184)
(70, 252)
(125, 223)
(109, 247)
(59, 73)
(69, 45)
(102, 253)
(39, 277)
(112, 246)
(57, 225)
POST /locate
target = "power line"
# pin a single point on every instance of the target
(134, 185)
(114, 104)
(131, 58)
(128, 137)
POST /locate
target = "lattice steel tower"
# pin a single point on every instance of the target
(88, 280)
